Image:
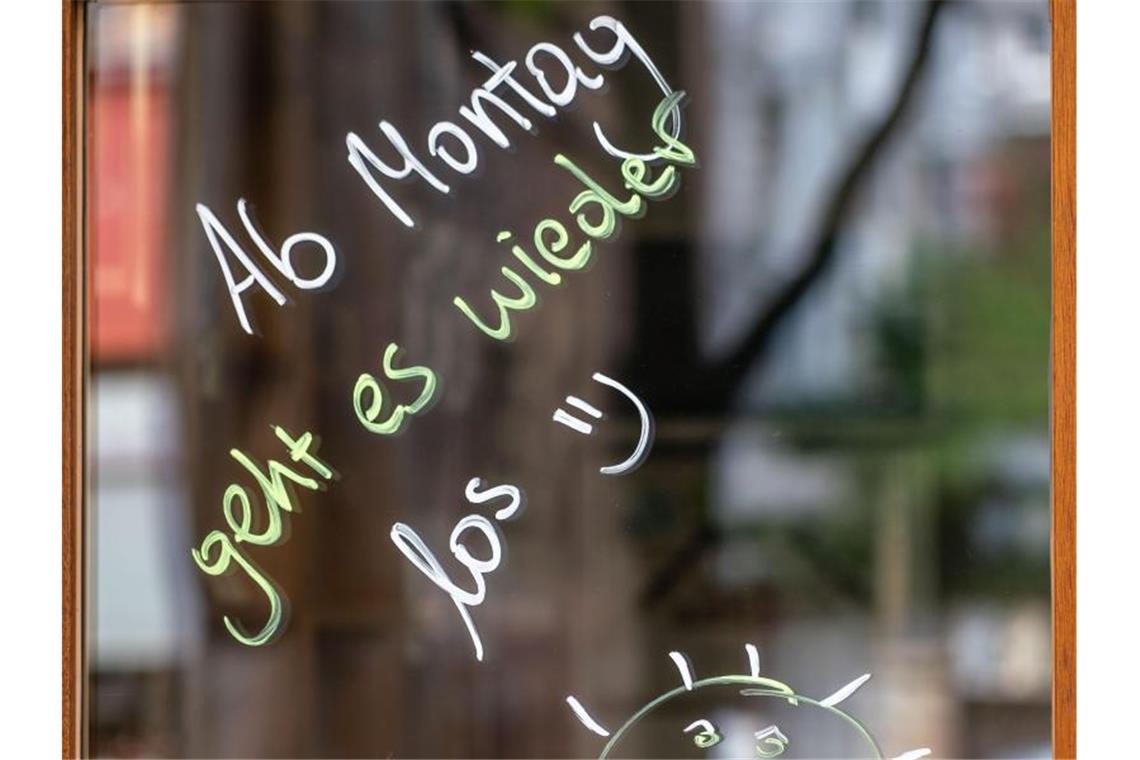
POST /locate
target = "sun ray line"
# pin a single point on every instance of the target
(753, 660)
(683, 667)
(585, 718)
(846, 691)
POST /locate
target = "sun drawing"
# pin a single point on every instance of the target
(768, 741)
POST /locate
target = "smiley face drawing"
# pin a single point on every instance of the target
(772, 701)
(644, 439)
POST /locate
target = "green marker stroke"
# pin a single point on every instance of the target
(367, 383)
(241, 523)
(634, 172)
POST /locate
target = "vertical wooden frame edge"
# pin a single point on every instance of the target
(1063, 378)
(73, 385)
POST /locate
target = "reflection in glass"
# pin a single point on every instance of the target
(842, 343)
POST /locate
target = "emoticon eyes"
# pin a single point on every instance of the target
(770, 741)
(707, 737)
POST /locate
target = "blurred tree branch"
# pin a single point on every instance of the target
(728, 373)
(821, 251)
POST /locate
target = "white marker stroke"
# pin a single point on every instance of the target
(611, 57)
(459, 549)
(708, 737)
(215, 230)
(573, 74)
(683, 667)
(699, 723)
(764, 733)
(846, 691)
(361, 157)
(639, 453)
(584, 428)
(589, 409)
(536, 103)
(585, 717)
(413, 547)
(282, 262)
(481, 497)
(753, 660)
(914, 754)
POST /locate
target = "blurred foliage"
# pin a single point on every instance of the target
(967, 343)
(967, 338)
(535, 11)
(989, 353)
(962, 392)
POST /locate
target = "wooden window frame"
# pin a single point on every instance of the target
(1062, 380)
